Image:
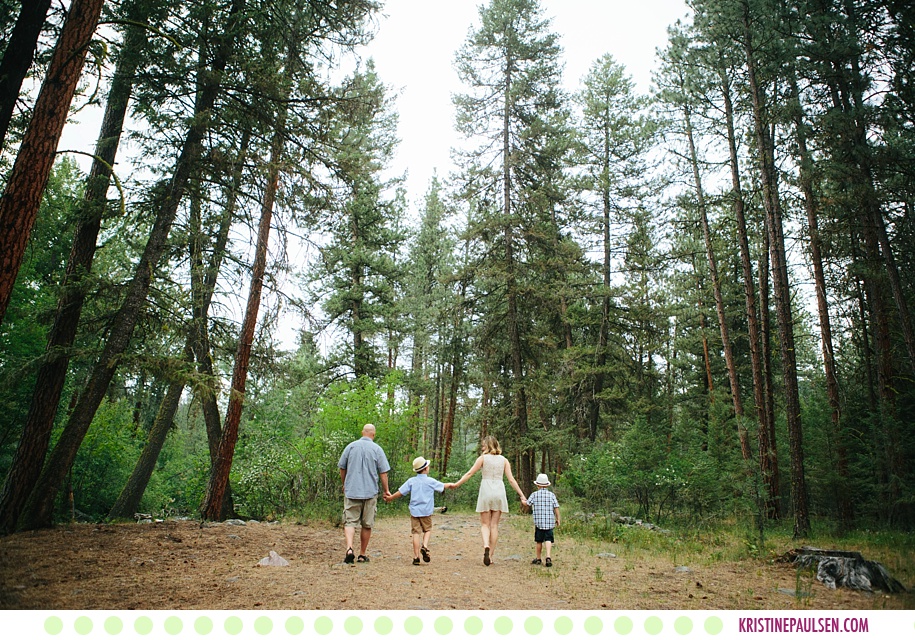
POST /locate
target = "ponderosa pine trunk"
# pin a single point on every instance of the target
(36, 435)
(29, 175)
(18, 56)
(213, 507)
(716, 291)
(768, 455)
(863, 154)
(805, 180)
(203, 285)
(781, 285)
(765, 338)
(39, 508)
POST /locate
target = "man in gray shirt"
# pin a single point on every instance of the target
(361, 465)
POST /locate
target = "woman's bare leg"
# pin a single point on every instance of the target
(494, 517)
(484, 527)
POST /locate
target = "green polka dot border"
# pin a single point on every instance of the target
(424, 625)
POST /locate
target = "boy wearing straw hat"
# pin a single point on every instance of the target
(421, 489)
(545, 507)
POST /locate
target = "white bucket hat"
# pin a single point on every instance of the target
(420, 463)
(542, 480)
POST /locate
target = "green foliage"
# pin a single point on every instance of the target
(23, 337)
(106, 458)
(179, 482)
(647, 475)
(286, 461)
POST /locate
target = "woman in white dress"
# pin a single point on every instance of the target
(491, 502)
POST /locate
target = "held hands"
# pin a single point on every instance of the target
(450, 485)
(387, 496)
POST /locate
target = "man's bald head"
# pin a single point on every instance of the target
(369, 431)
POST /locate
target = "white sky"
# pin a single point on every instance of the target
(416, 43)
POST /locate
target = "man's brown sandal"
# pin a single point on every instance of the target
(362, 559)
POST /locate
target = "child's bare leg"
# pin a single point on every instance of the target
(426, 536)
(539, 547)
(548, 546)
(416, 544)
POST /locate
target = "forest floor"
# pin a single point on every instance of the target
(178, 564)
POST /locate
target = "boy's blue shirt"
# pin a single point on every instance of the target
(421, 488)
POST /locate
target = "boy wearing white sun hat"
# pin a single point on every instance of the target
(421, 489)
(545, 507)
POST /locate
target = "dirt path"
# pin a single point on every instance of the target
(181, 565)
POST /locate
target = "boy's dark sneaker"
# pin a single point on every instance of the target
(416, 561)
(548, 563)
(536, 561)
(426, 556)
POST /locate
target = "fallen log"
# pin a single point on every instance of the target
(836, 568)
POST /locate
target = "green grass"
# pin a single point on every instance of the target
(713, 542)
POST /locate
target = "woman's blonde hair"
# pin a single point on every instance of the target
(491, 445)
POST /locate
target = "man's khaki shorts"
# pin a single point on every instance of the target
(361, 512)
(420, 525)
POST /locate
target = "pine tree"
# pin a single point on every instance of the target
(356, 276)
(510, 66)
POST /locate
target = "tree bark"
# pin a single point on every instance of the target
(29, 176)
(18, 56)
(33, 444)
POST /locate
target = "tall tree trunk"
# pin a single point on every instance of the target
(782, 288)
(18, 56)
(39, 508)
(703, 328)
(29, 176)
(872, 203)
(765, 336)
(767, 450)
(805, 179)
(865, 347)
(212, 507)
(716, 290)
(36, 435)
(203, 284)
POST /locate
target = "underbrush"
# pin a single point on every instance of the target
(712, 541)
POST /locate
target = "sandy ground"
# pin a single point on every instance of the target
(181, 565)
